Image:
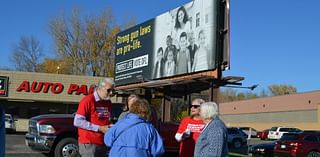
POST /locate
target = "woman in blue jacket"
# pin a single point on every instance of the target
(133, 136)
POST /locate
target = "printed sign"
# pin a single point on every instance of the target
(4, 86)
(178, 42)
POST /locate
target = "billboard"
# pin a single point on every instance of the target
(178, 42)
(3, 86)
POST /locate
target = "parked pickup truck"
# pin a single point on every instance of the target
(55, 135)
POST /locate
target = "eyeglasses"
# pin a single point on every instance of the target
(195, 106)
(110, 90)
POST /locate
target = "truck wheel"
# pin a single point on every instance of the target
(67, 147)
(313, 154)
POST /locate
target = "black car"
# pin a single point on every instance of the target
(261, 150)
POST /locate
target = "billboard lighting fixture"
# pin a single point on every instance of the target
(233, 79)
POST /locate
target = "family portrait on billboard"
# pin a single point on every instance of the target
(181, 41)
(184, 40)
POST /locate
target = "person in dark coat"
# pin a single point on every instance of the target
(2, 132)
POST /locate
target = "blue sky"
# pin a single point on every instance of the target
(272, 41)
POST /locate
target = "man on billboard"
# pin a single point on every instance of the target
(183, 56)
(159, 64)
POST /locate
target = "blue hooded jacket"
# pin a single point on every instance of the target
(141, 140)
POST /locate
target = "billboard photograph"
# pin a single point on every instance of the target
(179, 42)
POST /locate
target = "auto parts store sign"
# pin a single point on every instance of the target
(54, 88)
(27, 86)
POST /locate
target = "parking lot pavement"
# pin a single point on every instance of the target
(25, 155)
(16, 146)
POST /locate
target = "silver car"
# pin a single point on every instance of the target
(10, 123)
(276, 133)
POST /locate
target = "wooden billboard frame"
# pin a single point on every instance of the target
(206, 77)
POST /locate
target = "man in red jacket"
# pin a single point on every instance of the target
(93, 119)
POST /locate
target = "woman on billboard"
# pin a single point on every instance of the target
(182, 23)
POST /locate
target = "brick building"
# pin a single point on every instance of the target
(300, 110)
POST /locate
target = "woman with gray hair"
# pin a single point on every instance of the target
(131, 99)
(213, 139)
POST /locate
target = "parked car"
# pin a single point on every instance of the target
(301, 144)
(263, 135)
(275, 133)
(261, 150)
(236, 137)
(248, 130)
(10, 124)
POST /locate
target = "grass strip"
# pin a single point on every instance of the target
(231, 154)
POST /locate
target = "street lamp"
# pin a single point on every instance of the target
(234, 82)
(58, 68)
(250, 87)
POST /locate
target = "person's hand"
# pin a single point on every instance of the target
(103, 128)
(186, 134)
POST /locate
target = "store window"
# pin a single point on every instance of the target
(13, 110)
(54, 111)
(33, 111)
(198, 20)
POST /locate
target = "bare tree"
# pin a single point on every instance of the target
(86, 43)
(264, 93)
(67, 38)
(99, 41)
(5, 68)
(229, 94)
(26, 55)
(282, 89)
